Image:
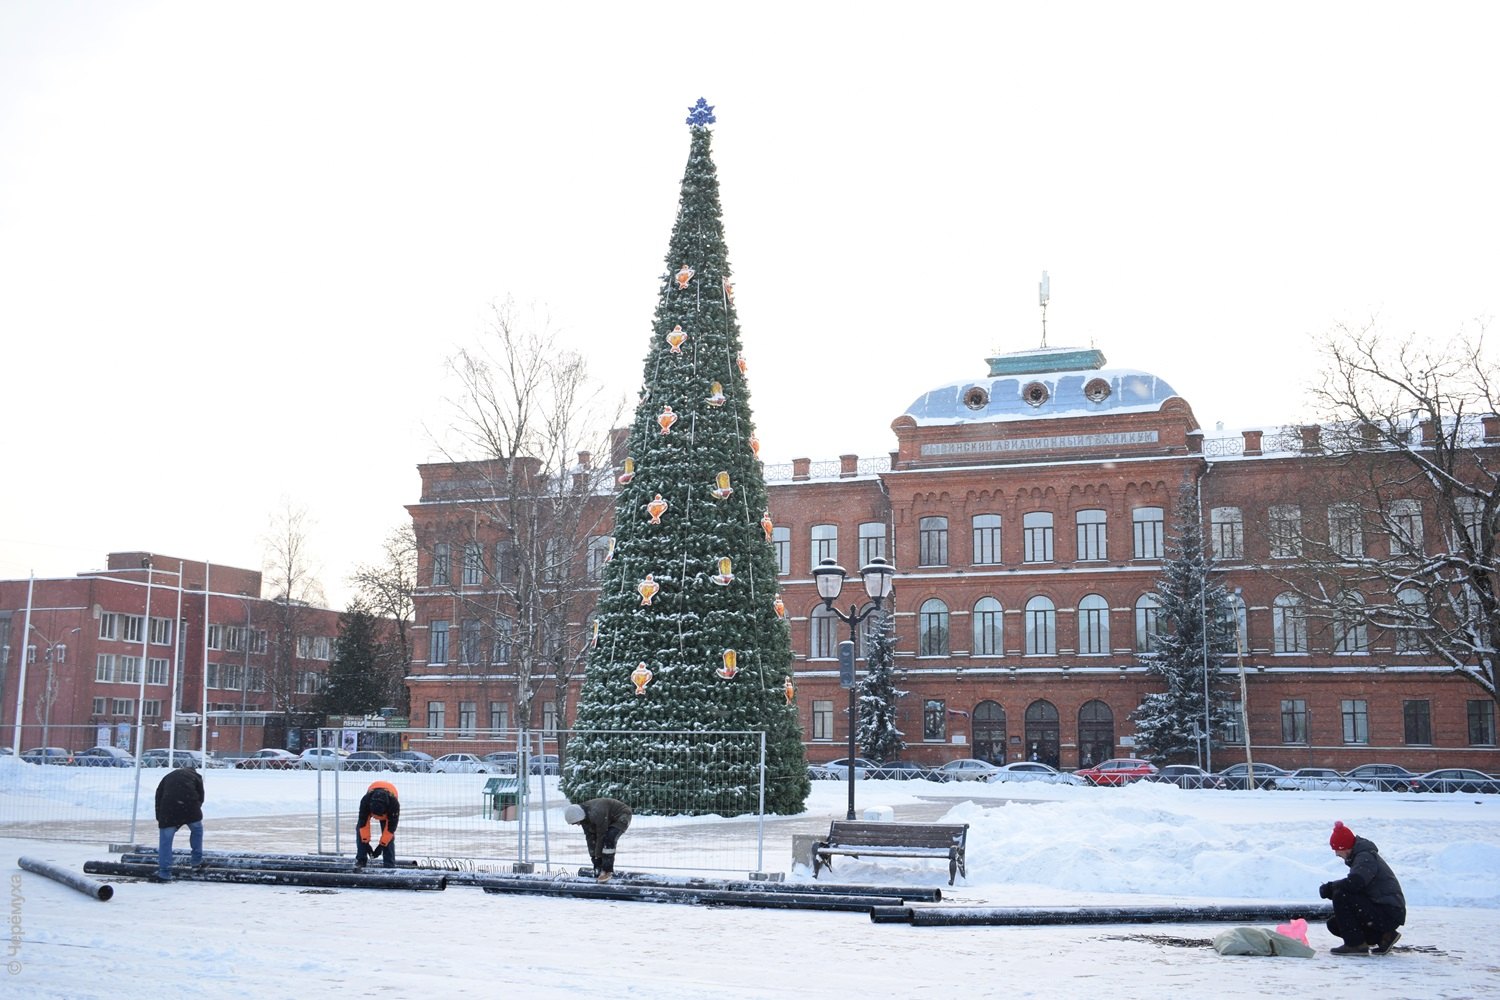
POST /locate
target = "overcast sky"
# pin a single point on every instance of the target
(237, 241)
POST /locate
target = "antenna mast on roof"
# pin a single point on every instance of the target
(1044, 292)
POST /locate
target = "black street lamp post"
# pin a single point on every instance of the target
(829, 576)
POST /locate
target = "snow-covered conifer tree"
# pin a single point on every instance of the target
(879, 738)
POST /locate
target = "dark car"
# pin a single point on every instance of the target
(1183, 776)
(419, 761)
(900, 770)
(103, 757)
(1237, 776)
(1386, 777)
(1457, 779)
(47, 755)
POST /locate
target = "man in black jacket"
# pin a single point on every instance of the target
(179, 802)
(603, 821)
(1368, 905)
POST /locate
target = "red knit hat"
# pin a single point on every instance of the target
(1342, 838)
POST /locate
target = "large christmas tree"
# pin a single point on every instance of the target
(688, 637)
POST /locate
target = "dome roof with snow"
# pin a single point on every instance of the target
(1040, 383)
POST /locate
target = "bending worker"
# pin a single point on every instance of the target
(603, 821)
(378, 804)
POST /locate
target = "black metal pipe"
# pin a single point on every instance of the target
(213, 857)
(890, 915)
(380, 879)
(1012, 916)
(309, 864)
(579, 889)
(71, 879)
(908, 893)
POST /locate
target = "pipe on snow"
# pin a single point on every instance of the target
(587, 889)
(381, 879)
(1015, 916)
(71, 879)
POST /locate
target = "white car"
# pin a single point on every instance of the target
(321, 757)
(462, 763)
(1321, 779)
(1033, 770)
(967, 769)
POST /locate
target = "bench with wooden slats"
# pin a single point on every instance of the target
(893, 840)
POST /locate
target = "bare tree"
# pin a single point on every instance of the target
(1412, 490)
(291, 585)
(525, 528)
(386, 587)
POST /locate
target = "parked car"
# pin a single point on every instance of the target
(1035, 770)
(1117, 771)
(1385, 777)
(321, 758)
(1183, 776)
(47, 755)
(839, 768)
(419, 761)
(375, 760)
(900, 770)
(103, 757)
(179, 758)
(966, 769)
(504, 761)
(461, 763)
(1320, 779)
(269, 759)
(1457, 779)
(1237, 776)
(543, 763)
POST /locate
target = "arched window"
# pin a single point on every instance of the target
(989, 732)
(1096, 733)
(1413, 607)
(1288, 624)
(1146, 609)
(1041, 627)
(932, 628)
(988, 632)
(822, 631)
(1350, 634)
(1043, 732)
(1093, 625)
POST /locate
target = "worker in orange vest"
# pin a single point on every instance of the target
(379, 803)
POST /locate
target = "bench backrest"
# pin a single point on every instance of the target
(845, 831)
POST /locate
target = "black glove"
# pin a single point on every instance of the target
(1328, 890)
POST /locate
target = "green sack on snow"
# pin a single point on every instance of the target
(1254, 941)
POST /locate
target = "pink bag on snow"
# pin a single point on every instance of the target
(1296, 929)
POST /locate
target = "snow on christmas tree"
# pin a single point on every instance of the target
(1190, 602)
(880, 739)
(688, 639)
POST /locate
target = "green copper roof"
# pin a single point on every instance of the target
(1047, 359)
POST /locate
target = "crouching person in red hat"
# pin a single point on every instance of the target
(381, 805)
(1368, 905)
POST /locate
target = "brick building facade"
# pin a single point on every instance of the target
(98, 660)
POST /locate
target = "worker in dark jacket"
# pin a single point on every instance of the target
(603, 821)
(379, 804)
(1368, 905)
(179, 802)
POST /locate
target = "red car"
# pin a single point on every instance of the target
(1119, 771)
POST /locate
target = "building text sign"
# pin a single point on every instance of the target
(1052, 443)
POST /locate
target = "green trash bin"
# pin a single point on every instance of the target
(501, 798)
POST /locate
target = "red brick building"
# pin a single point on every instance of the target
(1027, 513)
(100, 652)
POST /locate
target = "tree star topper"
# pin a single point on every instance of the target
(701, 114)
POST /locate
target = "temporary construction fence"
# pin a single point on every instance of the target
(502, 812)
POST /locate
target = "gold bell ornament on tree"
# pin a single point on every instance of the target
(731, 665)
(684, 275)
(656, 508)
(676, 338)
(666, 419)
(647, 588)
(640, 677)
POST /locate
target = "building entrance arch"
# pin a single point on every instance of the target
(1096, 733)
(988, 736)
(1043, 732)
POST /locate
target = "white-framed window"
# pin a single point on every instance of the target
(499, 715)
(549, 717)
(989, 629)
(470, 647)
(1404, 519)
(1090, 526)
(151, 708)
(211, 676)
(1414, 617)
(122, 706)
(505, 561)
(986, 539)
(158, 670)
(473, 564)
(257, 678)
(1041, 627)
(309, 682)
(437, 715)
(781, 543)
(437, 642)
(314, 647)
(935, 720)
(442, 565)
(1147, 526)
(1293, 720)
(161, 631)
(1093, 626)
(1285, 523)
(1232, 730)
(1350, 633)
(1036, 536)
(101, 706)
(129, 671)
(258, 641)
(825, 542)
(468, 717)
(216, 637)
(932, 628)
(104, 668)
(1227, 532)
(1288, 624)
(1346, 533)
(231, 676)
(235, 638)
(822, 632)
(1471, 519)
(871, 542)
(1147, 608)
(504, 640)
(1356, 716)
(109, 625)
(599, 546)
(822, 720)
(932, 541)
(133, 627)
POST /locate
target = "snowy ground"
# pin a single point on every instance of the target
(1147, 844)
